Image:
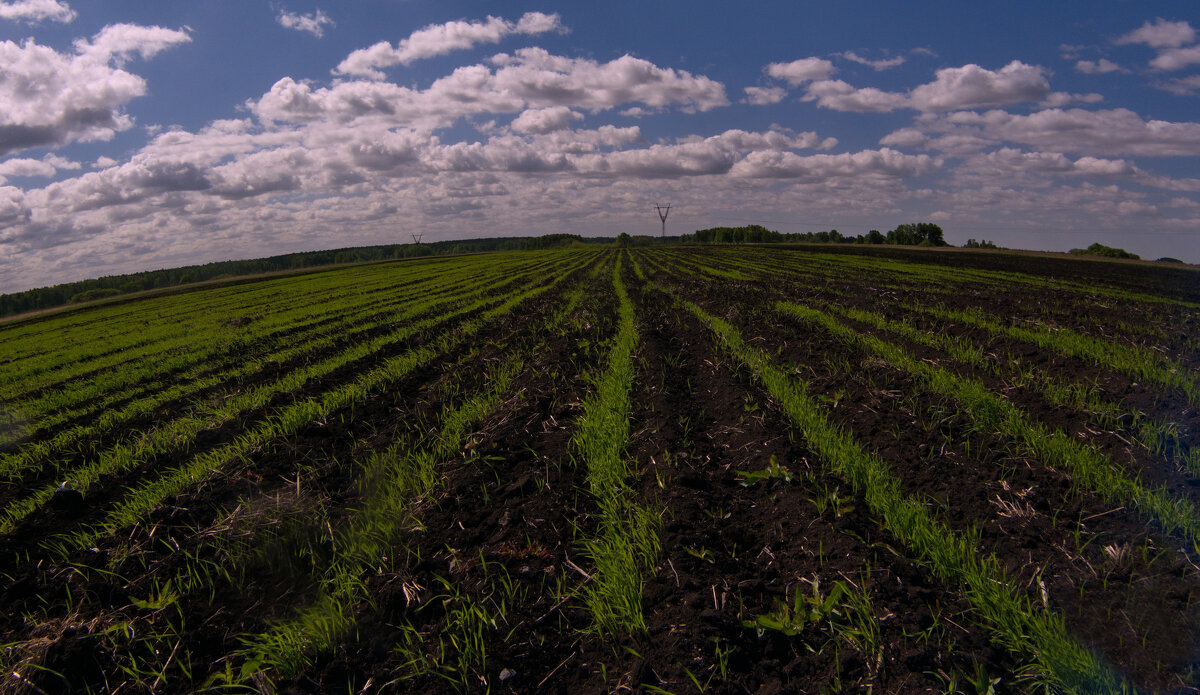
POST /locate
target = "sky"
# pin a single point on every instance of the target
(136, 135)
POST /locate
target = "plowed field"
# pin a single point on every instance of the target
(729, 470)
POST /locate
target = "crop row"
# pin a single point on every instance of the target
(1155, 432)
(243, 367)
(1087, 466)
(504, 479)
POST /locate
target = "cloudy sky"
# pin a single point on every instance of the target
(137, 135)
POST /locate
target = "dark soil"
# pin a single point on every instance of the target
(751, 520)
(1105, 569)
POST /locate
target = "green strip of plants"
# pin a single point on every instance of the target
(149, 332)
(1089, 468)
(181, 431)
(1136, 362)
(210, 329)
(1022, 627)
(149, 383)
(403, 479)
(15, 463)
(398, 480)
(626, 544)
(291, 419)
(1159, 438)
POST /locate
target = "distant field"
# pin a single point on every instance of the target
(656, 470)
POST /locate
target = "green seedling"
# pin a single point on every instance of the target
(773, 471)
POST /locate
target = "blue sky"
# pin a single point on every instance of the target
(140, 135)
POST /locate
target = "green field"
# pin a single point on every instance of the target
(671, 469)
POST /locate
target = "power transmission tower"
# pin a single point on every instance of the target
(662, 215)
(417, 237)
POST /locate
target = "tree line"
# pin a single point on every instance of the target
(911, 234)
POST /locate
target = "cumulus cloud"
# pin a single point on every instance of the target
(884, 163)
(1009, 162)
(966, 87)
(350, 153)
(237, 174)
(1103, 133)
(119, 42)
(440, 39)
(61, 162)
(37, 11)
(1056, 100)
(1097, 67)
(971, 86)
(800, 71)
(1171, 41)
(45, 167)
(1183, 86)
(761, 96)
(883, 64)
(842, 96)
(25, 167)
(544, 120)
(531, 78)
(1176, 58)
(314, 22)
(1160, 34)
(51, 98)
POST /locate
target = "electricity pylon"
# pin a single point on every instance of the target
(662, 215)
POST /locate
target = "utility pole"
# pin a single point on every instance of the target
(417, 237)
(662, 215)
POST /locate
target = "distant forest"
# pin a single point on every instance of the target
(112, 285)
(914, 234)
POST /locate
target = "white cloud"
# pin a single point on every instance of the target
(883, 64)
(1010, 162)
(269, 171)
(61, 162)
(314, 22)
(585, 141)
(905, 137)
(45, 167)
(1103, 133)
(1176, 58)
(25, 167)
(50, 98)
(233, 179)
(440, 39)
(883, 163)
(37, 11)
(1098, 67)
(1160, 34)
(761, 96)
(530, 78)
(1056, 100)
(841, 96)
(971, 86)
(1171, 43)
(544, 120)
(1183, 86)
(540, 78)
(118, 42)
(800, 71)
(966, 87)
